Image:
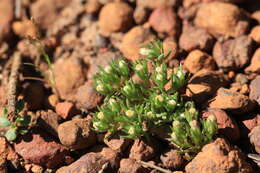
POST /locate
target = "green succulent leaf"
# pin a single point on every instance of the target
(24, 120)
(11, 134)
(4, 122)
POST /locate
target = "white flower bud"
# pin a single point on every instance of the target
(144, 51)
(108, 69)
(159, 77)
(130, 113)
(101, 115)
(212, 118)
(173, 136)
(172, 102)
(150, 114)
(121, 64)
(131, 131)
(139, 67)
(192, 110)
(100, 88)
(158, 69)
(176, 123)
(159, 98)
(127, 88)
(112, 101)
(194, 124)
(96, 124)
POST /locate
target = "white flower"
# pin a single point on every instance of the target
(130, 113)
(176, 123)
(159, 77)
(139, 67)
(100, 88)
(192, 110)
(212, 118)
(131, 131)
(108, 69)
(121, 63)
(172, 102)
(159, 98)
(182, 115)
(173, 135)
(158, 69)
(144, 51)
(101, 115)
(150, 114)
(194, 124)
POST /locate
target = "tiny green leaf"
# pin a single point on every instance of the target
(11, 134)
(4, 122)
(24, 120)
(5, 111)
(19, 106)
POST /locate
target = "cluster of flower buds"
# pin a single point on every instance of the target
(141, 69)
(190, 133)
(160, 75)
(179, 79)
(110, 78)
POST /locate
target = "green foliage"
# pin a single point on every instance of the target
(189, 132)
(19, 126)
(134, 107)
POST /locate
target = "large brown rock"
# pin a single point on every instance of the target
(117, 143)
(7, 153)
(69, 75)
(255, 63)
(227, 126)
(143, 150)
(133, 40)
(198, 60)
(80, 134)
(254, 136)
(157, 3)
(87, 97)
(189, 3)
(255, 90)
(25, 28)
(249, 124)
(164, 20)
(220, 157)
(131, 166)
(40, 149)
(255, 34)
(222, 18)
(114, 17)
(107, 159)
(6, 17)
(196, 38)
(172, 160)
(204, 84)
(233, 54)
(233, 102)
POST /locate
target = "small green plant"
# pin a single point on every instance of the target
(134, 107)
(19, 125)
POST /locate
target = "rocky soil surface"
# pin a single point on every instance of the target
(216, 41)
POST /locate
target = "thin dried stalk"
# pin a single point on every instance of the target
(146, 164)
(12, 85)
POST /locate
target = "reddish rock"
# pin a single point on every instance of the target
(172, 160)
(227, 126)
(198, 60)
(114, 17)
(7, 153)
(256, 15)
(66, 109)
(226, 159)
(3, 166)
(164, 20)
(80, 134)
(49, 121)
(133, 40)
(87, 97)
(40, 149)
(254, 34)
(142, 150)
(69, 75)
(254, 136)
(255, 90)
(189, 3)
(25, 28)
(131, 166)
(236, 103)
(196, 38)
(33, 95)
(140, 15)
(235, 23)
(156, 4)
(170, 47)
(255, 63)
(249, 124)
(233, 54)
(6, 17)
(117, 144)
(204, 85)
(93, 6)
(92, 162)
(44, 12)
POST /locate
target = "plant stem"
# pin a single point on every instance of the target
(153, 166)
(12, 85)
